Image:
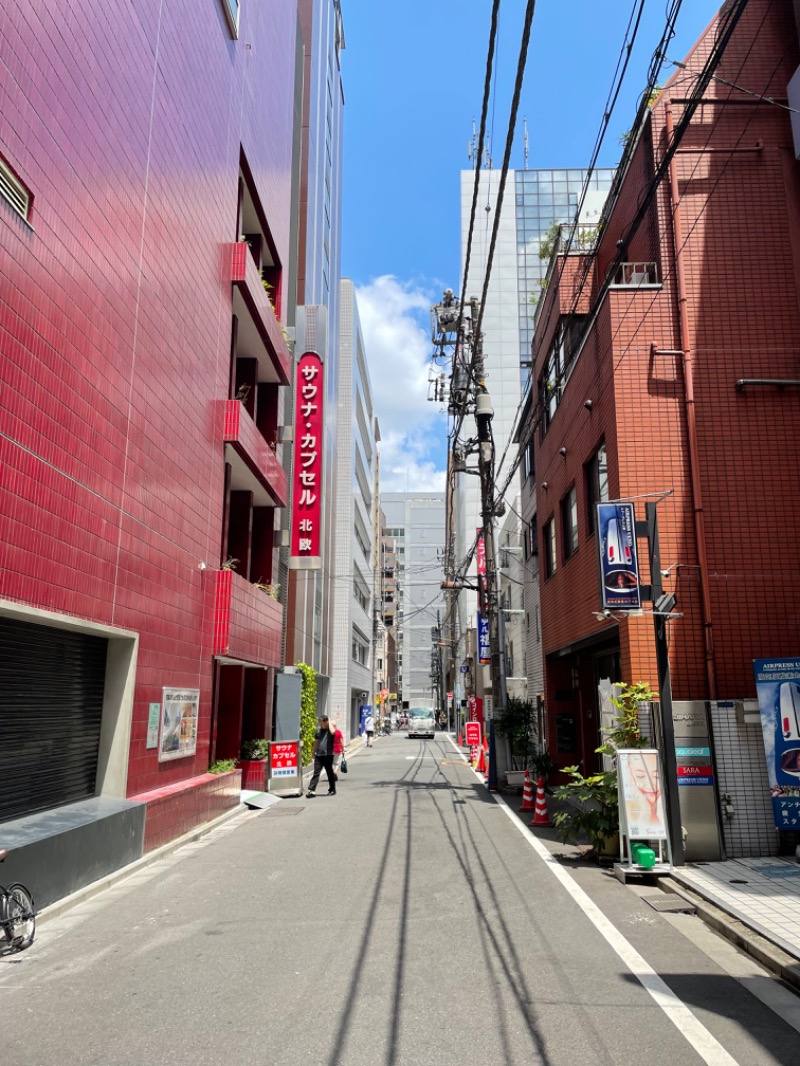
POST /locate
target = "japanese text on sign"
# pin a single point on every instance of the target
(307, 510)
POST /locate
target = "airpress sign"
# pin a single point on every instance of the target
(619, 566)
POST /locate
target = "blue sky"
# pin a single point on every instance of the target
(413, 80)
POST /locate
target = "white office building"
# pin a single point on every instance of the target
(352, 580)
(416, 523)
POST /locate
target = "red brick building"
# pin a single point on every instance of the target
(141, 365)
(672, 395)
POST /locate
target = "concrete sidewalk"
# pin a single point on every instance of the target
(753, 902)
(760, 898)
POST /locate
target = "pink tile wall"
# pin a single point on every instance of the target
(126, 122)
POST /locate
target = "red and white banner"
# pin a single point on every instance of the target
(473, 734)
(308, 423)
(283, 759)
(480, 554)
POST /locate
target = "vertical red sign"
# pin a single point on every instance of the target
(307, 481)
(480, 554)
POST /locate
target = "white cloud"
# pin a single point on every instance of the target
(394, 320)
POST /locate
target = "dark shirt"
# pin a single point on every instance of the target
(324, 746)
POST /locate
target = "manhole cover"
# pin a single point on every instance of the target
(279, 808)
(673, 904)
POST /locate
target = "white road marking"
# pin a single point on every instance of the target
(704, 1043)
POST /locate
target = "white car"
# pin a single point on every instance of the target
(421, 722)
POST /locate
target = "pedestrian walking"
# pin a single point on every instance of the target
(323, 758)
(338, 748)
(369, 729)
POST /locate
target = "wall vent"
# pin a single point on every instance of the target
(14, 192)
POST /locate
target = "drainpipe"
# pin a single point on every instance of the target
(691, 418)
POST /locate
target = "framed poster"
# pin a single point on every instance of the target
(180, 708)
(641, 795)
(778, 688)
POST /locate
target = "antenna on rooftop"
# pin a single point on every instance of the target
(525, 140)
(472, 147)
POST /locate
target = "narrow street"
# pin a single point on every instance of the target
(405, 921)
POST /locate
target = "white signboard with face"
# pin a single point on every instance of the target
(641, 796)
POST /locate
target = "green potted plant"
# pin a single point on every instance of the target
(516, 722)
(591, 808)
(253, 761)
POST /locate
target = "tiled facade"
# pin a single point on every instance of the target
(352, 681)
(131, 124)
(738, 186)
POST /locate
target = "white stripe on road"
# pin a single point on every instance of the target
(707, 1046)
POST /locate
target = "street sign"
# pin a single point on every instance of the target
(283, 759)
(473, 734)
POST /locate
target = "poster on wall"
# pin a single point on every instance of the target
(180, 708)
(778, 688)
(619, 565)
(641, 796)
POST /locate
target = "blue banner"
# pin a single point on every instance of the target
(366, 711)
(619, 566)
(778, 688)
(484, 649)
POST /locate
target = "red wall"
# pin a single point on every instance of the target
(126, 121)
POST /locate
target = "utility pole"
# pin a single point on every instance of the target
(486, 459)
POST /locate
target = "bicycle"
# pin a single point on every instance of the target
(17, 914)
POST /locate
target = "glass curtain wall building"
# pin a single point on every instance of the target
(533, 203)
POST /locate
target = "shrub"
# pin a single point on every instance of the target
(594, 804)
(255, 749)
(308, 710)
(222, 766)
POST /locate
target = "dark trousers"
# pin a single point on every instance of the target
(320, 762)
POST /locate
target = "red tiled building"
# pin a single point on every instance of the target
(684, 408)
(141, 365)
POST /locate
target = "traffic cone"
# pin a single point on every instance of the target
(460, 739)
(481, 767)
(485, 743)
(527, 794)
(541, 819)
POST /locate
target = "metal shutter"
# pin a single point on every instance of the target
(51, 707)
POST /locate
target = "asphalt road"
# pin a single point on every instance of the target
(406, 921)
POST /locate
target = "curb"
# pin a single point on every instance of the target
(764, 951)
(81, 895)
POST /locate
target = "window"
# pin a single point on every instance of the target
(360, 647)
(569, 523)
(533, 537)
(528, 465)
(558, 367)
(14, 192)
(232, 15)
(549, 535)
(596, 485)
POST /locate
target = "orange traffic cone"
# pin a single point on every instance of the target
(481, 767)
(485, 743)
(460, 739)
(527, 794)
(540, 818)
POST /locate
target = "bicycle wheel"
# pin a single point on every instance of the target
(20, 917)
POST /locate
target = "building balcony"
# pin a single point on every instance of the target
(254, 465)
(259, 334)
(248, 623)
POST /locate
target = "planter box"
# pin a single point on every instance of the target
(254, 774)
(515, 778)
